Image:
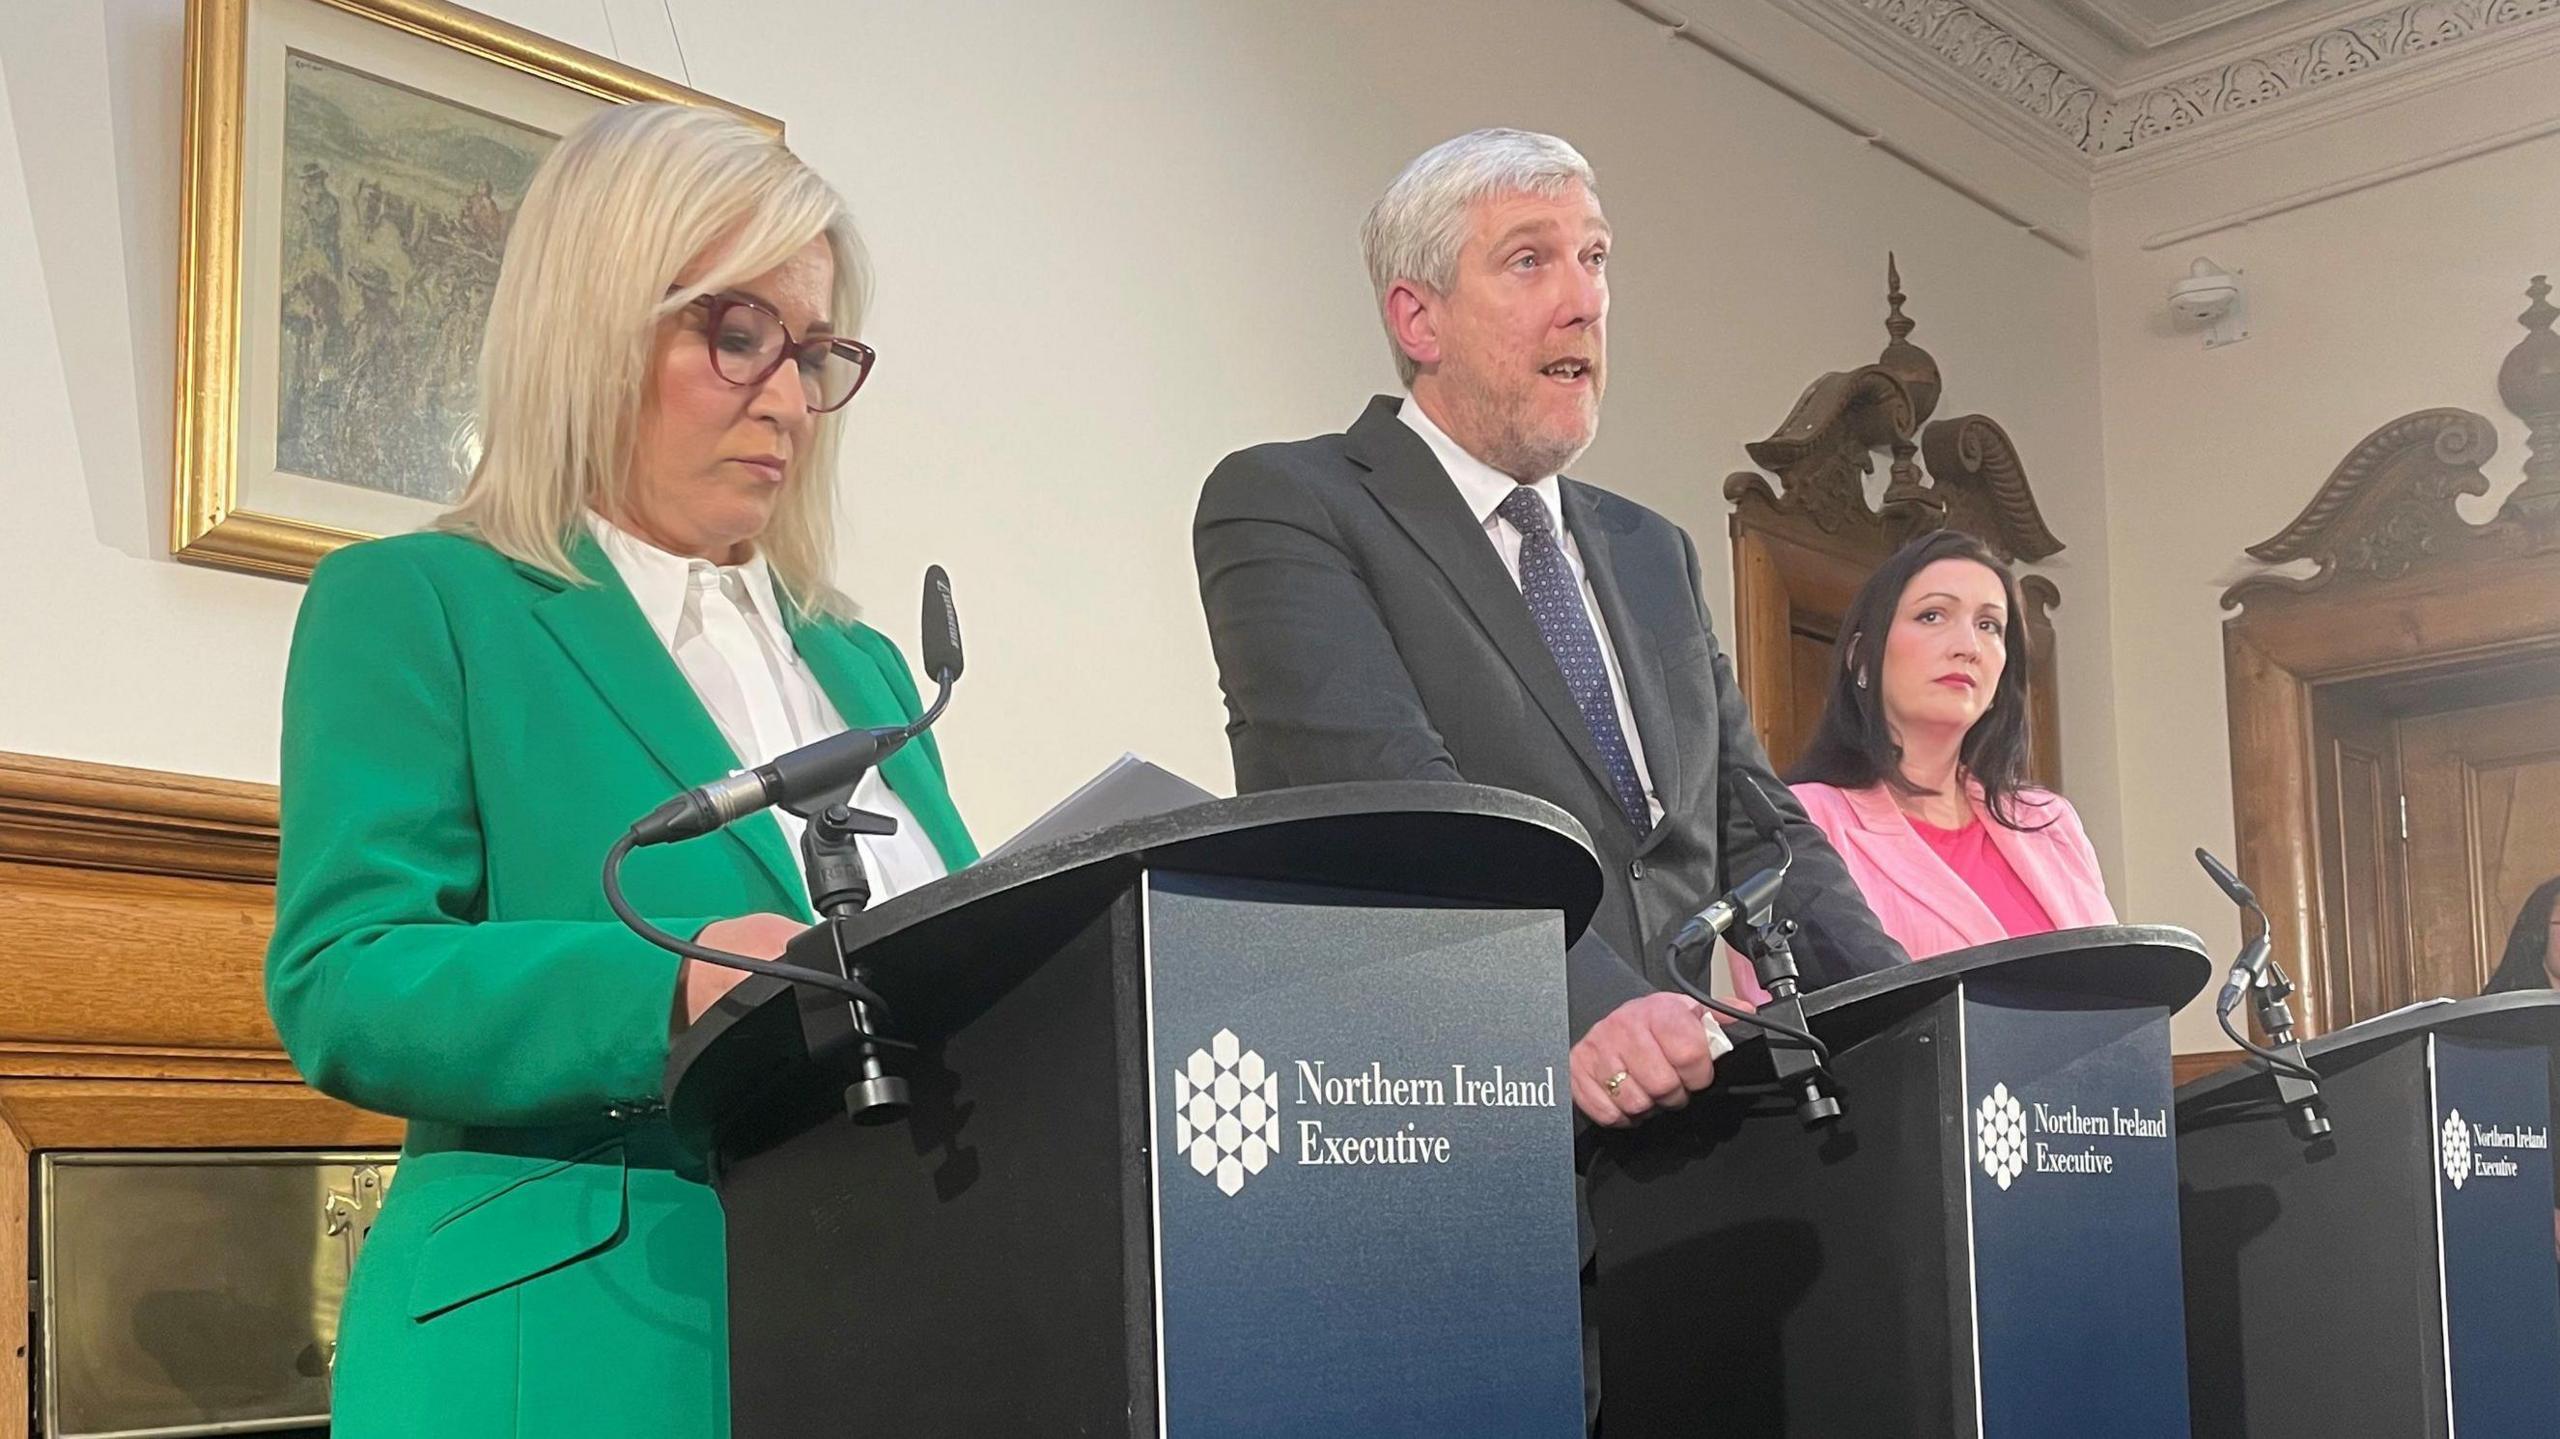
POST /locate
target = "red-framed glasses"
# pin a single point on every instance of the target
(749, 342)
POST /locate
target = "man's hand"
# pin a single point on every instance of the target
(1655, 1047)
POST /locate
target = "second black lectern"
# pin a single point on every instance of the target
(1985, 1243)
(1248, 1119)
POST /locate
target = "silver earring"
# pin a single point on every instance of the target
(1862, 679)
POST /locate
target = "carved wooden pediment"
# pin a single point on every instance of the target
(1823, 453)
(2389, 509)
(2386, 509)
(1982, 485)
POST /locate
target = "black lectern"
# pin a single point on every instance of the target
(2397, 1276)
(1246, 1119)
(1985, 1243)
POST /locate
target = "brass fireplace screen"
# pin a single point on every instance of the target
(190, 1294)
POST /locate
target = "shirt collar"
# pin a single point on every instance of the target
(1483, 487)
(663, 583)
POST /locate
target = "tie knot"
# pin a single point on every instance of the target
(1525, 510)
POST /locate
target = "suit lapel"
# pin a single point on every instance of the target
(2031, 856)
(863, 697)
(1639, 659)
(603, 631)
(1918, 871)
(1407, 480)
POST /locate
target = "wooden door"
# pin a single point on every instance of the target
(2483, 790)
(1787, 606)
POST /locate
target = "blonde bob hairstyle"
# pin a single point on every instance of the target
(637, 213)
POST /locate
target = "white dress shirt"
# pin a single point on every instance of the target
(1484, 488)
(724, 627)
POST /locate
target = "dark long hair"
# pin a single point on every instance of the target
(1853, 747)
(2528, 944)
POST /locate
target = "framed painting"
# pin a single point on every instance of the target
(352, 167)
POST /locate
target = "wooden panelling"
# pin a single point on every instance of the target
(2484, 831)
(2482, 607)
(108, 817)
(137, 907)
(113, 957)
(15, 1395)
(2276, 819)
(186, 1114)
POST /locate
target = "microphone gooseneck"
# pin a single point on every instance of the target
(2256, 971)
(815, 781)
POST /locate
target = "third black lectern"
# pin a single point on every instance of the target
(2395, 1277)
(1984, 1244)
(1248, 1119)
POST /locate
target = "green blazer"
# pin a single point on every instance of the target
(464, 737)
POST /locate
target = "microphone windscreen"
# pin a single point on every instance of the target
(941, 628)
(2224, 879)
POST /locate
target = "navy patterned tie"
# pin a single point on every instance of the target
(1555, 601)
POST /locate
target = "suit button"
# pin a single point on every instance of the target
(1635, 871)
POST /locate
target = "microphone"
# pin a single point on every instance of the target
(835, 763)
(2250, 969)
(2297, 1083)
(2229, 883)
(830, 766)
(1752, 896)
(941, 629)
(814, 781)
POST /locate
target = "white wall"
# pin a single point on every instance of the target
(1113, 243)
(2363, 308)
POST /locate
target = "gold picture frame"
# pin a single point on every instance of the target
(389, 81)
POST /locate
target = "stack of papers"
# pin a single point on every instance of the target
(1128, 788)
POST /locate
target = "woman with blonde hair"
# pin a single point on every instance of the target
(632, 598)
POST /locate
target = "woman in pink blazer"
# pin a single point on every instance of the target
(1916, 773)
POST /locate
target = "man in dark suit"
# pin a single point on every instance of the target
(1424, 598)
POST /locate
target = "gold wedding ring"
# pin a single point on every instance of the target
(1614, 1081)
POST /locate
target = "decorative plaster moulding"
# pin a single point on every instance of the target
(2048, 99)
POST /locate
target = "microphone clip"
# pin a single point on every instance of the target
(830, 849)
(2297, 1089)
(840, 888)
(1798, 1069)
(1798, 1060)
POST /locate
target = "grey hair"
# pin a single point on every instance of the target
(1418, 228)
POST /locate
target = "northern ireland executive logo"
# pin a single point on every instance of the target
(1226, 1111)
(2000, 1136)
(2456, 1149)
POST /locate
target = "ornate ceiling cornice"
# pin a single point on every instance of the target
(2082, 111)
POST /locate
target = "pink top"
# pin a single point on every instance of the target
(1919, 898)
(1979, 863)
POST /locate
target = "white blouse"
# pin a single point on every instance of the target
(723, 625)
